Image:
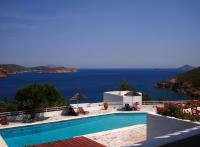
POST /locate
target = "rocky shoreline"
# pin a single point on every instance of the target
(185, 88)
(3, 74)
(187, 83)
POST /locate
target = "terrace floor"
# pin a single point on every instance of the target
(112, 138)
(120, 137)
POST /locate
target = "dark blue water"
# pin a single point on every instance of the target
(93, 82)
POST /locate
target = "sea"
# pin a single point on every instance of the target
(94, 82)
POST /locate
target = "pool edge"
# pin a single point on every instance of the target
(2, 142)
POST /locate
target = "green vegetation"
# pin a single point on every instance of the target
(187, 83)
(124, 86)
(146, 97)
(38, 96)
(34, 98)
(12, 68)
(192, 76)
(5, 106)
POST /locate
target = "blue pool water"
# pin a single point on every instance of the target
(37, 134)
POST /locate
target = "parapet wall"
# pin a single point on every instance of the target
(158, 125)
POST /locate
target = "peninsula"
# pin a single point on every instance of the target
(187, 83)
(6, 69)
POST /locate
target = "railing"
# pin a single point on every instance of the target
(161, 102)
(29, 111)
(99, 104)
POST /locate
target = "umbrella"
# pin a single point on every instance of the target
(77, 97)
(132, 93)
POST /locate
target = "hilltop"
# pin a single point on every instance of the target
(186, 83)
(186, 68)
(12, 68)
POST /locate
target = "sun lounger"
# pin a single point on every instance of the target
(82, 111)
(71, 111)
(135, 107)
(127, 107)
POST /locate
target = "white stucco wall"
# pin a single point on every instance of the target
(112, 98)
(162, 130)
(119, 97)
(39, 115)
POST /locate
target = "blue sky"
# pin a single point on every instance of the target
(100, 33)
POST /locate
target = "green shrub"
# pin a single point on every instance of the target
(35, 97)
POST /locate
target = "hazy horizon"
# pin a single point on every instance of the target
(100, 34)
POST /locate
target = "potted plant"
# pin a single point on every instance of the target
(105, 105)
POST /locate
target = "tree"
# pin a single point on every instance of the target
(6, 106)
(124, 86)
(5, 99)
(35, 97)
(146, 97)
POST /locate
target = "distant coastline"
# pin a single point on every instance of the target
(6, 69)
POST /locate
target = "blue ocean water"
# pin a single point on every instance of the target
(93, 82)
(43, 133)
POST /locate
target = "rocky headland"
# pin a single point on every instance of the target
(3, 74)
(187, 83)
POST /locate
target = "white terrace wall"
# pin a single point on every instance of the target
(117, 97)
(158, 125)
(113, 98)
(86, 106)
(38, 115)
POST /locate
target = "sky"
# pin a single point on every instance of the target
(100, 33)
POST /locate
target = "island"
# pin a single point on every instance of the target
(187, 83)
(186, 68)
(60, 69)
(6, 69)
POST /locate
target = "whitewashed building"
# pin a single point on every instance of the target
(122, 97)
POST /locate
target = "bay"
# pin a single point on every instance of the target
(93, 82)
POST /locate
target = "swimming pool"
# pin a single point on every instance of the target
(48, 132)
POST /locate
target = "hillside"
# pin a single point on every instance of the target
(192, 77)
(46, 69)
(14, 69)
(186, 68)
(3, 74)
(186, 83)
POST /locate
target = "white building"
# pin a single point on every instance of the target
(122, 98)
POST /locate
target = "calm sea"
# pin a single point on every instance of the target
(93, 82)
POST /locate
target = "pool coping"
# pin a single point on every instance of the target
(4, 144)
(114, 130)
(65, 119)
